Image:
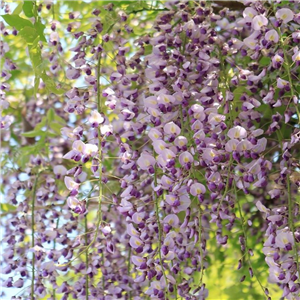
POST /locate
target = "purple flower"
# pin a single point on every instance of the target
(249, 13)
(135, 242)
(6, 121)
(284, 239)
(186, 158)
(172, 129)
(146, 161)
(77, 206)
(172, 220)
(237, 132)
(272, 36)
(259, 21)
(59, 171)
(251, 40)
(96, 118)
(197, 189)
(285, 15)
(137, 260)
(71, 184)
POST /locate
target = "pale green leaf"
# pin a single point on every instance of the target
(28, 9)
(18, 9)
(29, 34)
(16, 21)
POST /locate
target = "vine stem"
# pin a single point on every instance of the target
(159, 232)
(223, 90)
(99, 63)
(98, 83)
(200, 245)
(227, 184)
(54, 247)
(291, 223)
(33, 233)
(148, 9)
(99, 107)
(128, 270)
(246, 245)
(86, 259)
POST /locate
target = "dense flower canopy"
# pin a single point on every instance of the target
(149, 145)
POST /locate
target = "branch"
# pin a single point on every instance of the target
(147, 9)
(231, 5)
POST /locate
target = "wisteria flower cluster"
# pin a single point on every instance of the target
(152, 142)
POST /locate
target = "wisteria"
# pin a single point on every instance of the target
(149, 145)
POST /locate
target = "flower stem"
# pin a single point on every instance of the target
(98, 83)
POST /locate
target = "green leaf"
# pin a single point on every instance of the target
(237, 93)
(16, 21)
(35, 54)
(55, 127)
(40, 27)
(58, 119)
(28, 9)
(37, 131)
(50, 115)
(265, 61)
(23, 155)
(196, 276)
(148, 49)
(40, 125)
(49, 134)
(29, 34)
(265, 110)
(135, 7)
(18, 9)
(36, 84)
(32, 133)
(51, 86)
(5, 207)
(109, 20)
